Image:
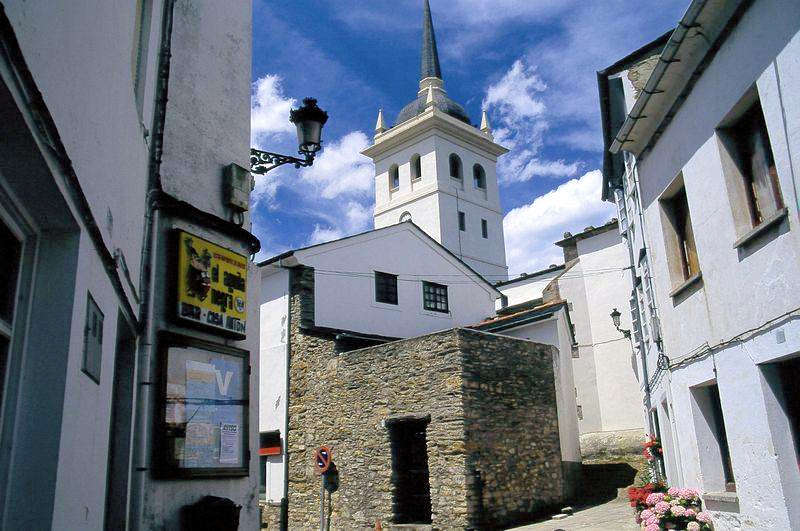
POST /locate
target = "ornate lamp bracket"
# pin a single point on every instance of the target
(263, 161)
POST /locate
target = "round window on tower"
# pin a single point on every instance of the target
(405, 216)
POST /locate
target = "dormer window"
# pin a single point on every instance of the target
(455, 166)
(479, 177)
(416, 167)
(394, 177)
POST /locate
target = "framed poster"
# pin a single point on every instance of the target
(202, 419)
(211, 285)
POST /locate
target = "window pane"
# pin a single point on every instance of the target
(462, 221)
(434, 297)
(484, 228)
(385, 288)
(9, 268)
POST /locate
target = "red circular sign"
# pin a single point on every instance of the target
(322, 459)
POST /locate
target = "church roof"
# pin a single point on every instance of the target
(430, 70)
(430, 55)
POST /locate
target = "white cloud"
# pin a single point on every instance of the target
(341, 169)
(269, 111)
(530, 230)
(353, 218)
(514, 96)
(517, 109)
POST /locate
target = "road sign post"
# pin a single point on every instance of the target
(322, 462)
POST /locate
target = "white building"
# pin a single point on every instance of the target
(711, 161)
(591, 284)
(98, 170)
(377, 286)
(435, 168)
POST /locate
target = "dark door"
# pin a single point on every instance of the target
(411, 482)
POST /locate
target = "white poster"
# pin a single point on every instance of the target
(229, 443)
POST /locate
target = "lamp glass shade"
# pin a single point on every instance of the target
(309, 135)
(309, 120)
(615, 315)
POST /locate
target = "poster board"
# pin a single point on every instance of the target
(211, 285)
(204, 409)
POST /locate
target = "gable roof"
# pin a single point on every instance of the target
(513, 320)
(469, 273)
(529, 276)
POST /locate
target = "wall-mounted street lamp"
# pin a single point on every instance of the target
(309, 120)
(615, 315)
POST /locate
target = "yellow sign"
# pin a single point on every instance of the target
(212, 285)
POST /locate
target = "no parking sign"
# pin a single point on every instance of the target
(322, 459)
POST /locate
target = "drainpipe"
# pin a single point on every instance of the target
(284, 521)
(144, 374)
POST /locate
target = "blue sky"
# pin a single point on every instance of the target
(530, 63)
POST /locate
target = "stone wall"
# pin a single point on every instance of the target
(492, 439)
(511, 426)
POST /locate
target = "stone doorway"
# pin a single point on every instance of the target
(411, 490)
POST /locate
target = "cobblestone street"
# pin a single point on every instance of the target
(615, 515)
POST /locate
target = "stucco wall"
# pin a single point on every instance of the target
(273, 345)
(743, 290)
(345, 285)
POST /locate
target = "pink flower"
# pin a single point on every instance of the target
(652, 527)
(692, 526)
(662, 507)
(653, 520)
(689, 494)
(678, 510)
(654, 498)
(690, 513)
(646, 514)
(704, 517)
(674, 492)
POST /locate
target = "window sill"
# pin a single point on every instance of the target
(771, 221)
(416, 179)
(721, 497)
(680, 288)
(393, 190)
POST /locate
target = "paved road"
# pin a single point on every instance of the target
(612, 516)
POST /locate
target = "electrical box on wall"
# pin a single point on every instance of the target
(238, 185)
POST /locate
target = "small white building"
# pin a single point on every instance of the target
(377, 286)
(592, 283)
(711, 148)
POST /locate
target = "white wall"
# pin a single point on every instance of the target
(435, 200)
(274, 334)
(347, 301)
(741, 289)
(528, 288)
(605, 371)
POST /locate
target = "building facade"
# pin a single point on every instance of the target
(117, 129)
(710, 156)
(435, 168)
(595, 283)
(364, 289)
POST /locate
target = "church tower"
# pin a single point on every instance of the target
(435, 168)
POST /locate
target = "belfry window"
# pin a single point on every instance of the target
(416, 167)
(394, 177)
(479, 177)
(455, 166)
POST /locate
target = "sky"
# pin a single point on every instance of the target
(531, 64)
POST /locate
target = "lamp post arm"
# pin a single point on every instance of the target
(263, 161)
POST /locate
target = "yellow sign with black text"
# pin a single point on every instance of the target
(212, 285)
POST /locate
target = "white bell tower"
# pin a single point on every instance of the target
(433, 167)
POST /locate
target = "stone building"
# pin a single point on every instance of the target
(457, 429)
(118, 121)
(703, 164)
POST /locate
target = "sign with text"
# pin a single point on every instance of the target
(212, 285)
(204, 418)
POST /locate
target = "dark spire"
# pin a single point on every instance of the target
(430, 56)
